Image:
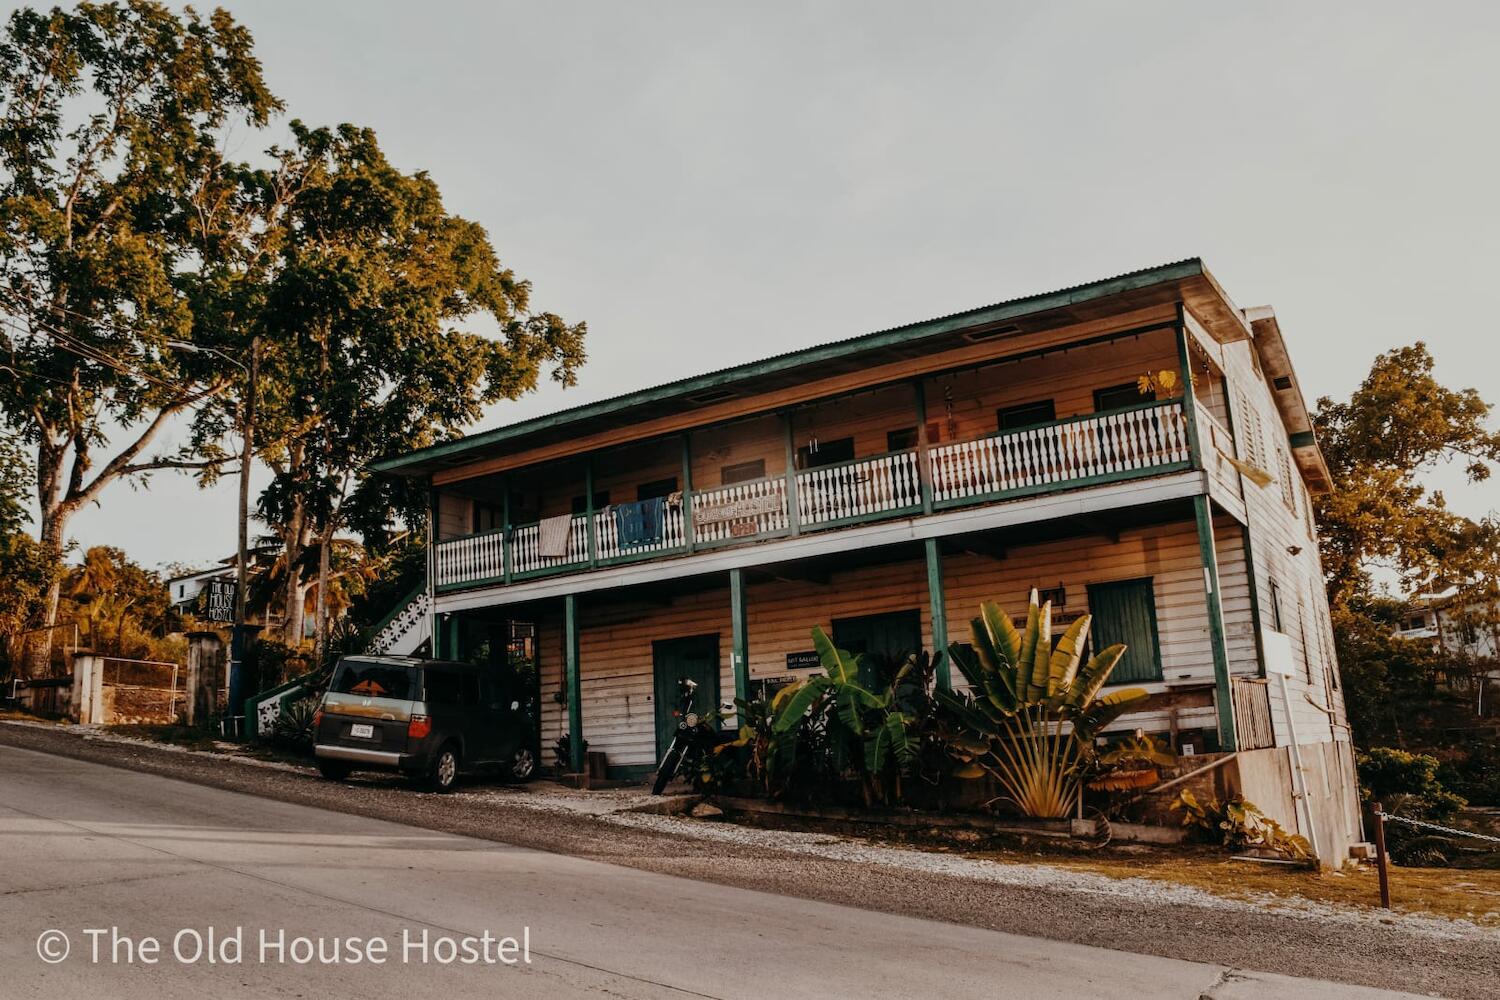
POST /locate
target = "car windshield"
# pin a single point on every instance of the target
(375, 680)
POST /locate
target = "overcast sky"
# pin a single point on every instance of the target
(707, 184)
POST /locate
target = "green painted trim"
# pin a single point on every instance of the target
(1189, 400)
(630, 557)
(793, 513)
(574, 566)
(939, 604)
(483, 581)
(432, 534)
(739, 648)
(688, 531)
(924, 463)
(857, 461)
(629, 772)
(507, 558)
(884, 515)
(999, 312)
(1303, 439)
(574, 681)
(764, 536)
(1223, 695)
(588, 509)
(1065, 486)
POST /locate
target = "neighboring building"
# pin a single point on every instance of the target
(886, 484)
(1468, 629)
(184, 590)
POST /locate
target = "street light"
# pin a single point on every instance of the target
(237, 637)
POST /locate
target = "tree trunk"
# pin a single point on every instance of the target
(292, 634)
(320, 642)
(39, 649)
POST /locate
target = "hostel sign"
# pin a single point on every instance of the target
(220, 601)
(743, 509)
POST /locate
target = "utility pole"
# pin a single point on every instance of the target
(238, 639)
(238, 635)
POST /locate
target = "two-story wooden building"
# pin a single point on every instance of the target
(883, 485)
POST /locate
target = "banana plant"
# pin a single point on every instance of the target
(866, 729)
(1032, 711)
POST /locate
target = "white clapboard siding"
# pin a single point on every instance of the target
(1286, 552)
(615, 639)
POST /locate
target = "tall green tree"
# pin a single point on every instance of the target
(1399, 425)
(27, 570)
(118, 212)
(389, 323)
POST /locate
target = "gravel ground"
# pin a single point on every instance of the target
(1422, 955)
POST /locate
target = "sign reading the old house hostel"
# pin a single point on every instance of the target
(744, 508)
(220, 600)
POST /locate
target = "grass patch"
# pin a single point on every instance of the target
(1444, 892)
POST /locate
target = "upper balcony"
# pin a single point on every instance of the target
(995, 432)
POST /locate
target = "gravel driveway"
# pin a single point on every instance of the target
(1421, 955)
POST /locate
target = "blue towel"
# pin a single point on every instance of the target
(640, 523)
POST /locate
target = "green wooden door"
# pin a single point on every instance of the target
(888, 637)
(695, 658)
(1125, 611)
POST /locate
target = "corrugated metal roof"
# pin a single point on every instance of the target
(682, 388)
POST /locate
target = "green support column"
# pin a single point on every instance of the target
(924, 466)
(453, 644)
(687, 491)
(575, 683)
(432, 534)
(794, 519)
(505, 556)
(1222, 694)
(939, 613)
(588, 507)
(739, 654)
(1189, 404)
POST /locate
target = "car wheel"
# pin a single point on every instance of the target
(442, 775)
(333, 770)
(523, 765)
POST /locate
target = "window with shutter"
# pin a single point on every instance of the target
(1125, 611)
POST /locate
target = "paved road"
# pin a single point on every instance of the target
(89, 847)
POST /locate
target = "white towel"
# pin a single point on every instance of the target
(552, 536)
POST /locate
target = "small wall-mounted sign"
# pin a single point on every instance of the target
(1057, 595)
(220, 601)
(743, 529)
(803, 660)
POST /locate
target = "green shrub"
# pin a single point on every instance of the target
(1407, 784)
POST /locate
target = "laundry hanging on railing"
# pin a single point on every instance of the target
(552, 536)
(639, 523)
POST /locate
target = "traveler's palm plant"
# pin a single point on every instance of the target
(1032, 712)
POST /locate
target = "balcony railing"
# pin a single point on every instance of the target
(1148, 439)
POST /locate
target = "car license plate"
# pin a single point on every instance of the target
(359, 729)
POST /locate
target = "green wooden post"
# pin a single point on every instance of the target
(794, 518)
(739, 655)
(924, 464)
(1189, 401)
(432, 540)
(505, 554)
(1222, 693)
(453, 644)
(939, 613)
(575, 683)
(588, 508)
(687, 491)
